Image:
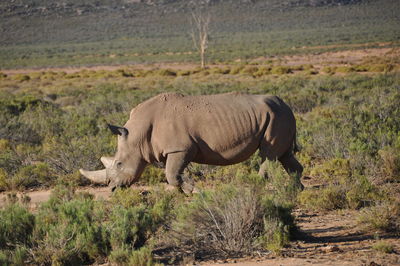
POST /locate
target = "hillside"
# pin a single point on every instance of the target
(42, 32)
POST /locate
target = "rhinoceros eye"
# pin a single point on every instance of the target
(119, 164)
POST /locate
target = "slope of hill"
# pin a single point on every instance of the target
(42, 32)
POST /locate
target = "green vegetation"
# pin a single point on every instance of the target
(237, 216)
(383, 247)
(383, 217)
(115, 32)
(53, 123)
(348, 126)
(72, 228)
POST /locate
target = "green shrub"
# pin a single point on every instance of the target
(126, 198)
(135, 217)
(16, 226)
(361, 68)
(329, 198)
(304, 101)
(390, 167)
(30, 176)
(70, 230)
(129, 226)
(276, 235)
(329, 70)
(125, 73)
(20, 255)
(21, 77)
(284, 186)
(217, 70)
(249, 70)
(307, 67)
(354, 193)
(281, 70)
(345, 69)
(166, 72)
(152, 175)
(229, 174)
(141, 257)
(381, 68)
(383, 246)
(120, 256)
(334, 171)
(4, 258)
(311, 72)
(236, 70)
(3, 179)
(262, 71)
(383, 216)
(183, 73)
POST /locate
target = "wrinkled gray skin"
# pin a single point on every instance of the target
(219, 129)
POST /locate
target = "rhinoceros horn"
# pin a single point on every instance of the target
(99, 176)
(107, 161)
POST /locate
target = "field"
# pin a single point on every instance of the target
(336, 63)
(42, 34)
(346, 105)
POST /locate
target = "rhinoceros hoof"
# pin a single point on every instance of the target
(188, 188)
(196, 190)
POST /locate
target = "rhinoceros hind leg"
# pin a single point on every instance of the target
(292, 166)
(176, 164)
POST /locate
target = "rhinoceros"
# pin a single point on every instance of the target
(222, 129)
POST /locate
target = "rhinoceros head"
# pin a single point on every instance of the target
(124, 168)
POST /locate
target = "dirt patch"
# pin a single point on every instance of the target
(339, 58)
(40, 196)
(327, 238)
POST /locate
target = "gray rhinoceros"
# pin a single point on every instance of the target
(221, 129)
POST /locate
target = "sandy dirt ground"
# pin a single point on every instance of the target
(325, 238)
(40, 196)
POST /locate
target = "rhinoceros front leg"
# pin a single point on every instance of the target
(176, 164)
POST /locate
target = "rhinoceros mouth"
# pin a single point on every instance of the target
(114, 187)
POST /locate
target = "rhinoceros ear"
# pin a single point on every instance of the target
(118, 130)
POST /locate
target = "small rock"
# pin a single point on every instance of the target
(373, 263)
(331, 249)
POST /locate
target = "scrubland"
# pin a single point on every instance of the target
(54, 122)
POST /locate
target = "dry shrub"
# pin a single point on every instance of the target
(390, 167)
(383, 246)
(230, 221)
(384, 217)
(224, 223)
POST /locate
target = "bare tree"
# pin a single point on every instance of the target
(200, 22)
